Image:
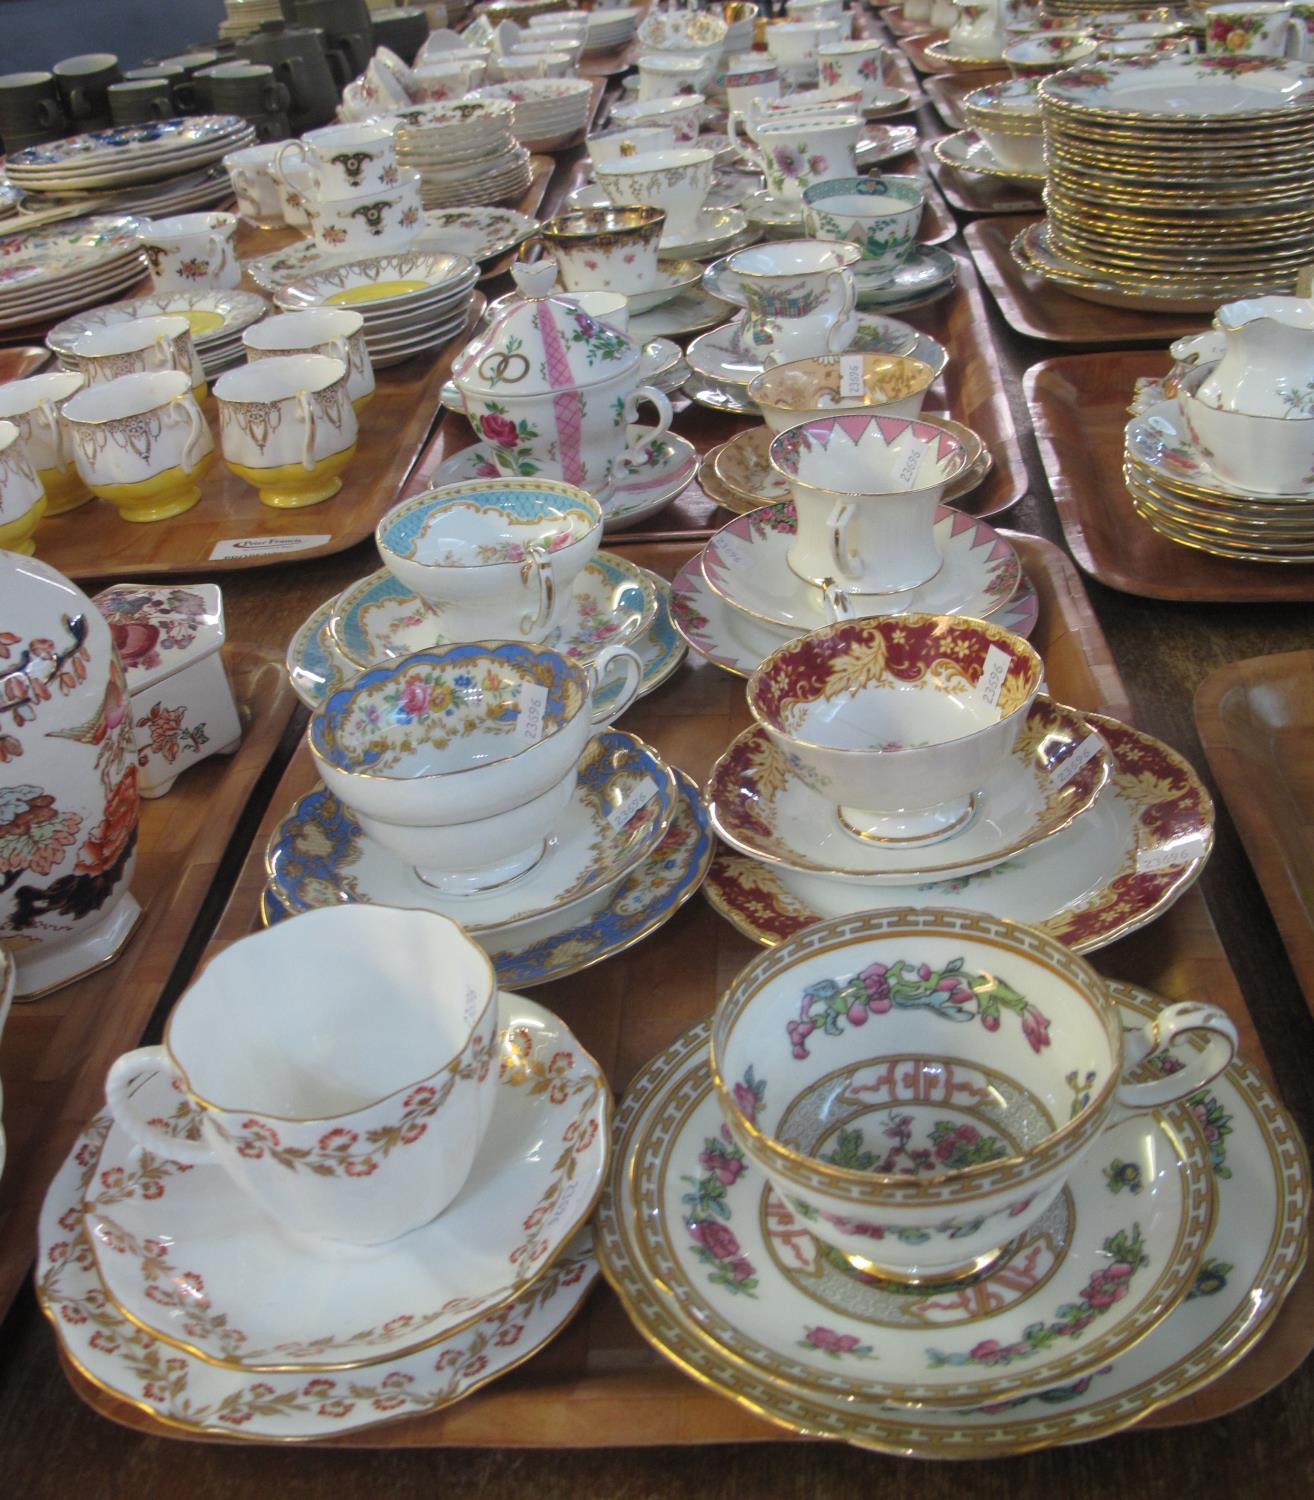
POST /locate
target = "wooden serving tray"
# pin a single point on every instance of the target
(94, 542)
(899, 25)
(598, 1384)
(972, 193)
(1038, 309)
(1256, 722)
(1078, 406)
(948, 90)
(56, 1051)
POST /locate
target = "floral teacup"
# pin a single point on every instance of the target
(799, 294)
(191, 251)
(676, 181)
(878, 214)
(371, 223)
(606, 249)
(343, 161)
(794, 151)
(1256, 28)
(853, 65)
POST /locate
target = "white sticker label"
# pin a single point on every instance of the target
(533, 705)
(993, 673)
(636, 798)
(851, 375)
(1089, 748)
(1166, 856)
(266, 546)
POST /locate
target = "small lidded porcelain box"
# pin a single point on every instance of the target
(169, 641)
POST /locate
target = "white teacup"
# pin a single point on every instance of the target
(294, 188)
(533, 65)
(606, 249)
(676, 181)
(880, 215)
(800, 297)
(853, 65)
(191, 251)
(343, 161)
(683, 113)
(141, 443)
(795, 151)
(22, 500)
(437, 82)
(748, 79)
(288, 427)
(373, 223)
(335, 332)
(251, 172)
(794, 44)
(163, 343)
(495, 558)
(338, 1130)
(665, 75)
(1252, 28)
(615, 145)
(33, 406)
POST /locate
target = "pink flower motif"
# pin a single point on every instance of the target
(498, 429)
(726, 1169)
(1035, 1028)
(715, 1238)
(830, 1341)
(414, 696)
(746, 1099)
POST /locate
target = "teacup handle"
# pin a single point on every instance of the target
(835, 602)
(191, 453)
(150, 1134)
(837, 539)
(737, 129)
(279, 170)
(539, 565)
(632, 670)
(659, 400)
(309, 421)
(219, 246)
(849, 300)
(172, 361)
(1158, 1035)
(46, 411)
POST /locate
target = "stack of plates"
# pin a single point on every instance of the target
(245, 16)
(103, 160)
(548, 111)
(609, 29)
(1182, 178)
(50, 272)
(1105, 14)
(411, 302)
(10, 200)
(217, 320)
(464, 151)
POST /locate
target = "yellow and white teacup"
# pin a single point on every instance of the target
(141, 345)
(33, 406)
(335, 332)
(141, 443)
(22, 500)
(288, 427)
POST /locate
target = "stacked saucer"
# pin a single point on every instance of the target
(217, 320)
(548, 111)
(411, 302)
(1182, 180)
(464, 151)
(608, 29)
(1004, 137)
(50, 272)
(103, 160)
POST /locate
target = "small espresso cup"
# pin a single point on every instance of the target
(344, 161)
(142, 344)
(33, 406)
(335, 332)
(22, 500)
(191, 251)
(606, 249)
(288, 427)
(141, 443)
(294, 1102)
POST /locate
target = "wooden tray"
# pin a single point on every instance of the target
(971, 193)
(947, 91)
(1038, 309)
(96, 543)
(899, 25)
(1078, 408)
(971, 390)
(599, 1385)
(55, 1051)
(1256, 722)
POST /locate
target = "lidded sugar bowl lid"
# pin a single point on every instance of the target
(541, 343)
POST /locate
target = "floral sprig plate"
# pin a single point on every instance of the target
(745, 563)
(762, 807)
(318, 855)
(686, 1219)
(187, 1255)
(1121, 864)
(1254, 1252)
(578, 937)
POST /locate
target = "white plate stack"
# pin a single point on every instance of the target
(217, 319)
(548, 111)
(464, 151)
(103, 161)
(610, 29)
(53, 271)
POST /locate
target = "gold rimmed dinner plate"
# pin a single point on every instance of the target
(1203, 542)
(1284, 530)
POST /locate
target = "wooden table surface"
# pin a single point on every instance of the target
(51, 1445)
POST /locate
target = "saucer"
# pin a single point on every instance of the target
(883, 143)
(378, 618)
(928, 269)
(761, 807)
(580, 936)
(316, 670)
(673, 277)
(965, 151)
(1159, 440)
(663, 363)
(318, 854)
(740, 644)
(685, 1221)
(1254, 1252)
(745, 563)
(1117, 867)
(742, 466)
(712, 229)
(776, 215)
(942, 51)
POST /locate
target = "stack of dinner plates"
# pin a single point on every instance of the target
(105, 160)
(609, 29)
(548, 111)
(53, 271)
(1180, 179)
(464, 151)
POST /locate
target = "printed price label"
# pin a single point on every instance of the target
(993, 674)
(637, 798)
(1166, 856)
(1089, 748)
(851, 375)
(533, 705)
(266, 546)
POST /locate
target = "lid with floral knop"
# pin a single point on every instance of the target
(542, 343)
